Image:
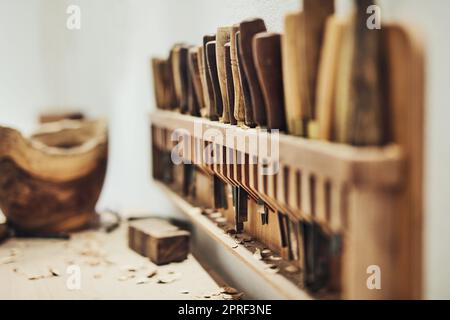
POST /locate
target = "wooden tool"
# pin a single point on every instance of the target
(327, 78)
(248, 110)
(201, 65)
(159, 83)
(212, 69)
(223, 37)
(362, 115)
(209, 91)
(267, 56)
(292, 43)
(238, 103)
(229, 82)
(51, 182)
(196, 103)
(181, 76)
(158, 240)
(248, 29)
(316, 13)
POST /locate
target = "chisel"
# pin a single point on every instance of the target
(209, 86)
(229, 83)
(293, 64)
(193, 97)
(194, 68)
(223, 37)
(248, 110)
(267, 56)
(248, 29)
(316, 13)
(181, 76)
(327, 77)
(238, 103)
(364, 117)
(201, 65)
(212, 69)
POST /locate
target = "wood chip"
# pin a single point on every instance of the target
(7, 260)
(152, 273)
(275, 258)
(266, 253)
(169, 278)
(257, 254)
(215, 215)
(54, 272)
(228, 290)
(142, 281)
(234, 246)
(237, 296)
(36, 277)
(291, 269)
(184, 291)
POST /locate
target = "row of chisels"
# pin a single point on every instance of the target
(322, 78)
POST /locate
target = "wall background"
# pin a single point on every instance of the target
(104, 70)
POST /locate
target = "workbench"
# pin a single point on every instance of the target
(38, 269)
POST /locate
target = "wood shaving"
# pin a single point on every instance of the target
(184, 291)
(237, 296)
(228, 290)
(169, 278)
(152, 273)
(266, 253)
(36, 277)
(54, 272)
(234, 246)
(275, 258)
(142, 281)
(291, 269)
(215, 215)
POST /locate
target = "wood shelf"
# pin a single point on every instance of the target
(280, 287)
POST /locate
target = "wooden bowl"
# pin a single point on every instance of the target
(51, 182)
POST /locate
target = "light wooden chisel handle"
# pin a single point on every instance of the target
(238, 104)
(209, 86)
(223, 37)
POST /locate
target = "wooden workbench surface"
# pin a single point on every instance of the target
(109, 270)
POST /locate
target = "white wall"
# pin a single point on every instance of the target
(103, 69)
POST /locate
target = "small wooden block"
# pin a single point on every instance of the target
(158, 240)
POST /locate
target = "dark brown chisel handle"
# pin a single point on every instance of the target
(248, 30)
(223, 37)
(209, 92)
(194, 69)
(229, 82)
(267, 55)
(171, 95)
(316, 13)
(367, 121)
(201, 65)
(158, 82)
(212, 68)
(249, 120)
(238, 103)
(181, 76)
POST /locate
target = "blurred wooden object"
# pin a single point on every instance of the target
(316, 13)
(51, 182)
(267, 55)
(328, 74)
(159, 240)
(223, 37)
(238, 107)
(295, 108)
(58, 116)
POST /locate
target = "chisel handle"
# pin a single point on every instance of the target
(212, 69)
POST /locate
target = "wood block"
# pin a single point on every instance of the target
(159, 240)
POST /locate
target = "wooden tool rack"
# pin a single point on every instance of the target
(367, 200)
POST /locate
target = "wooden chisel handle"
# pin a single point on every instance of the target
(267, 55)
(181, 76)
(249, 120)
(316, 13)
(361, 118)
(327, 77)
(238, 103)
(212, 69)
(248, 30)
(195, 87)
(204, 112)
(158, 82)
(223, 37)
(209, 91)
(229, 82)
(292, 44)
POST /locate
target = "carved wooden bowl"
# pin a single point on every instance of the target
(51, 182)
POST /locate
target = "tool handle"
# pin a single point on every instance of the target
(229, 83)
(212, 69)
(267, 56)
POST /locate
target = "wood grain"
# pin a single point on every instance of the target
(51, 182)
(238, 103)
(209, 91)
(159, 240)
(223, 37)
(229, 83)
